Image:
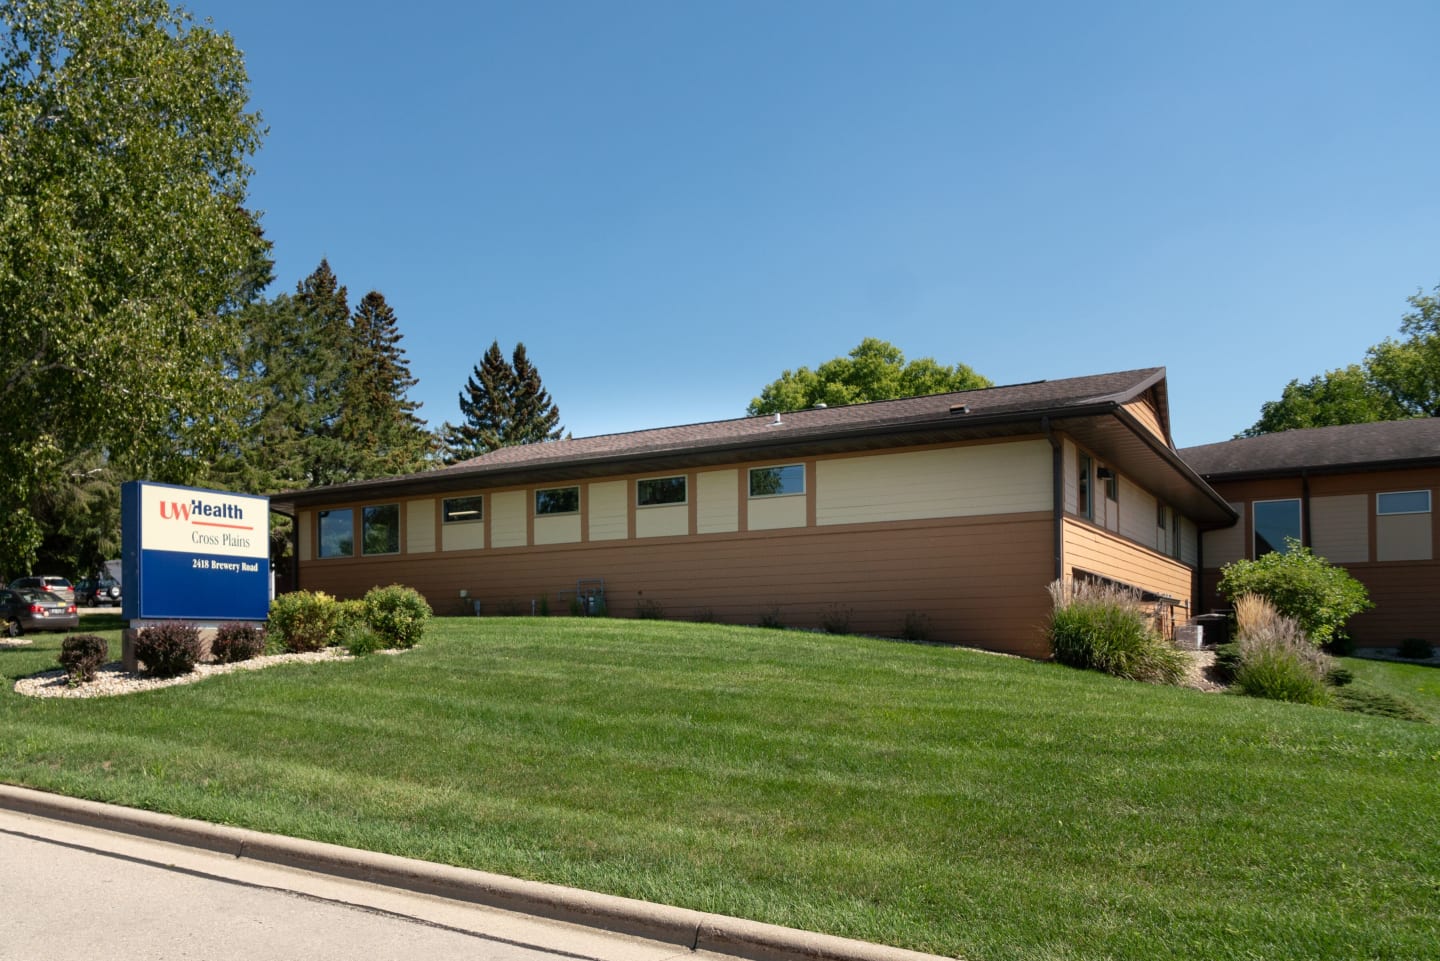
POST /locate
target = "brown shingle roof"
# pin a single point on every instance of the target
(1326, 449)
(817, 423)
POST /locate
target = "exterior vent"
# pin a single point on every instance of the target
(960, 409)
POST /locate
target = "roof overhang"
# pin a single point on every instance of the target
(1104, 427)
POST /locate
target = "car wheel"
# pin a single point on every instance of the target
(12, 628)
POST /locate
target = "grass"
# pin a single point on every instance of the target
(942, 800)
(1416, 686)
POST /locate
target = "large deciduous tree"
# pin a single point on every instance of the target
(874, 370)
(124, 146)
(504, 404)
(1398, 379)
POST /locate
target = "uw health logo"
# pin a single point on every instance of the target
(196, 509)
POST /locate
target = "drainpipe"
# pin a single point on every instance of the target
(1305, 507)
(1057, 487)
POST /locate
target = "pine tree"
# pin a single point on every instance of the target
(378, 429)
(504, 404)
(536, 418)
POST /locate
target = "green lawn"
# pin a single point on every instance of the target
(938, 799)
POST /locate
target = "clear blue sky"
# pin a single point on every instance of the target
(671, 202)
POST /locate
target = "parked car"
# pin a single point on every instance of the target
(55, 585)
(27, 610)
(95, 592)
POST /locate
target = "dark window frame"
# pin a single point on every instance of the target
(478, 511)
(544, 506)
(778, 472)
(365, 527)
(320, 534)
(661, 496)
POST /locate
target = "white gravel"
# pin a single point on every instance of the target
(112, 679)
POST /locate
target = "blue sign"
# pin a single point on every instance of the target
(193, 554)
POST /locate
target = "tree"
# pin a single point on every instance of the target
(1409, 370)
(124, 146)
(1398, 379)
(378, 430)
(1343, 396)
(504, 404)
(875, 370)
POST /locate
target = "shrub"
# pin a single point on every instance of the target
(1227, 662)
(649, 610)
(704, 615)
(305, 621)
(916, 627)
(362, 641)
(771, 619)
(1318, 595)
(82, 655)
(1416, 649)
(1276, 660)
(168, 649)
(1279, 672)
(1100, 627)
(352, 617)
(237, 641)
(397, 613)
(836, 619)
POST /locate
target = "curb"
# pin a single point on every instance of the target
(694, 930)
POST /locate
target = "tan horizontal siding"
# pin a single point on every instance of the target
(979, 581)
(1144, 411)
(1099, 552)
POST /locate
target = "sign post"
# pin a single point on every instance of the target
(192, 554)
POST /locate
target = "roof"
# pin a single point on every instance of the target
(1073, 404)
(1350, 447)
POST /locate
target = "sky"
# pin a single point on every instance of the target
(670, 203)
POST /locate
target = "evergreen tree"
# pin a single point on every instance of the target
(536, 418)
(504, 404)
(378, 429)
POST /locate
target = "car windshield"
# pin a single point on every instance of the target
(43, 597)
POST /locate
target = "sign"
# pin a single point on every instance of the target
(194, 554)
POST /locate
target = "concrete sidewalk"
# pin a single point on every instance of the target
(87, 880)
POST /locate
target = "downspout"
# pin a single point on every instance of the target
(1057, 487)
(1305, 507)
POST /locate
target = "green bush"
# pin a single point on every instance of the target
(1101, 628)
(647, 609)
(1416, 649)
(1281, 670)
(1317, 594)
(362, 641)
(1339, 676)
(305, 621)
(397, 614)
(916, 627)
(352, 617)
(168, 649)
(237, 641)
(82, 655)
(835, 619)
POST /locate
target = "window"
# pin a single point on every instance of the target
(557, 500)
(1403, 502)
(380, 529)
(1275, 521)
(1174, 533)
(1112, 482)
(654, 491)
(775, 481)
(1084, 504)
(460, 510)
(337, 533)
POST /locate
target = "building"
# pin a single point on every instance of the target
(952, 511)
(1361, 496)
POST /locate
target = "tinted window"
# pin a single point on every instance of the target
(1274, 522)
(1403, 502)
(380, 531)
(771, 481)
(337, 533)
(557, 500)
(457, 510)
(660, 490)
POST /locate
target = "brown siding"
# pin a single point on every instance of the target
(1406, 594)
(979, 580)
